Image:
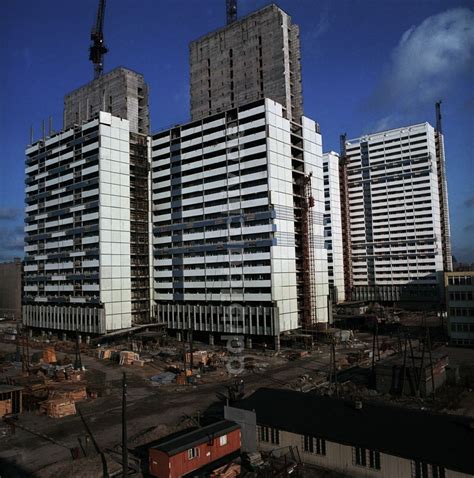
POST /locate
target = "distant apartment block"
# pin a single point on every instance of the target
(255, 57)
(396, 240)
(121, 92)
(459, 288)
(224, 222)
(333, 226)
(11, 289)
(86, 234)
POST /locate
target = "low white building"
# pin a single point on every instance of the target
(333, 226)
(357, 439)
(225, 244)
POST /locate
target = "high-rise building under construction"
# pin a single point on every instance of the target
(218, 252)
(87, 247)
(398, 228)
(255, 57)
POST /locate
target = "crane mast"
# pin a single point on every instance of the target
(97, 50)
(231, 11)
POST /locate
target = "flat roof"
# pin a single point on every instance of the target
(269, 6)
(196, 437)
(369, 136)
(5, 388)
(104, 77)
(435, 438)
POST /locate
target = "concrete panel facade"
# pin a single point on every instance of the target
(333, 226)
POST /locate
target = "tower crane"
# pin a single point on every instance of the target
(97, 50)
(231, 11)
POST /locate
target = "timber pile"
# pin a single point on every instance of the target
(49, 355)
(58, 407)
(75, 394)
(199, 356)
(231, 470)
(127, 358)
(5, 407)
(106, 354)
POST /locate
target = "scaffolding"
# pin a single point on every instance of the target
(345, 219)
(139, 225)
(443, 192)
(307, 242)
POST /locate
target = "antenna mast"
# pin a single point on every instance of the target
(97, 50)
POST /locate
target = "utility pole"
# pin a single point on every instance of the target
(375, 344)
(190, 333)
(333, 368)
(431, 362)
(124, 427)
(78, 361)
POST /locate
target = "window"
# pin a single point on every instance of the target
(365, 457)
(314, 445)
(193, 453)
(420, 469)
(269, 435)
(223, 440)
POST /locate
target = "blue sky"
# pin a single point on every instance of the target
(367, 65)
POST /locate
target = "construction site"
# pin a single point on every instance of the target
(168, 277)
(62, 401)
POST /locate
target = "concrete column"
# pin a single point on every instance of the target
(179, 337)
(211, 339)
(277, 343)
(248, 342)
(30, 333)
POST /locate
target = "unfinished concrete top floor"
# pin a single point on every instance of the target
(256, 57)
(122, 92)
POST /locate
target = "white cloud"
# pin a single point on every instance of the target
(428, 57)
(321, 27)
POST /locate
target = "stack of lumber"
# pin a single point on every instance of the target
(105, 354)
(49, 355)
(58, 407)
(5, 407)
(199, 356)
(231, 470)
(127, 358)
(76, 394)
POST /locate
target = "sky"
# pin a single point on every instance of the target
(367, 65)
